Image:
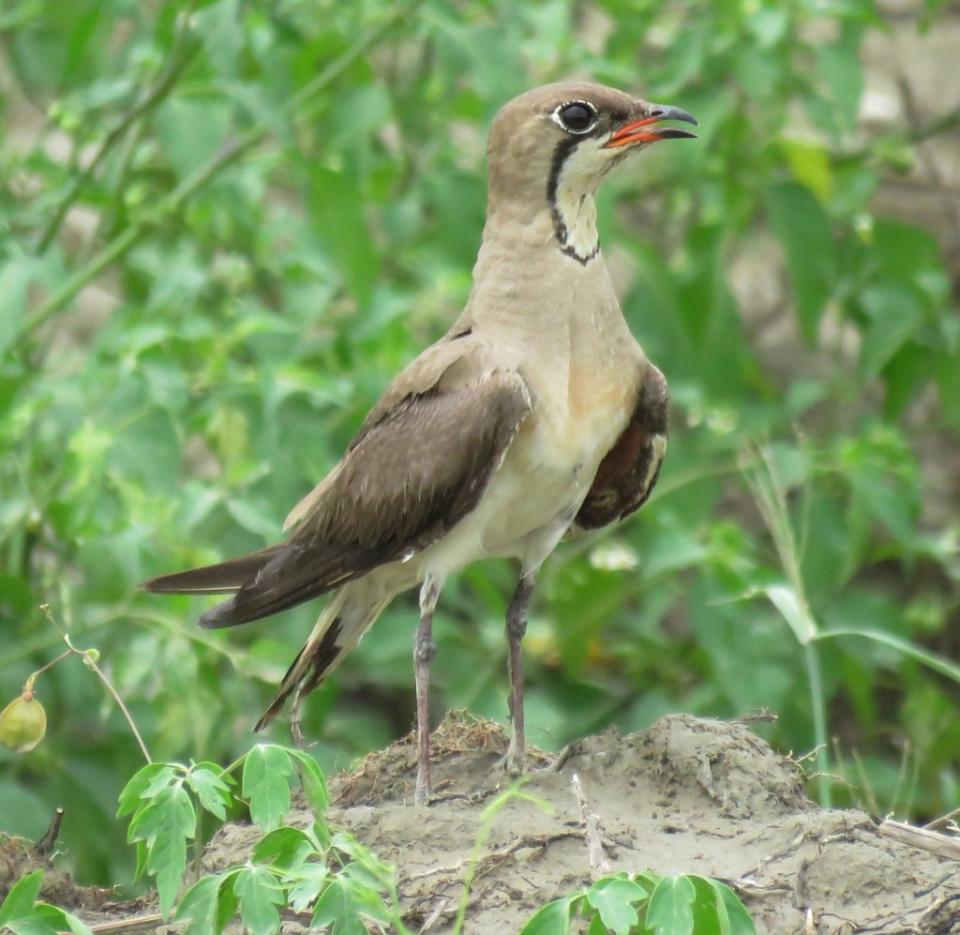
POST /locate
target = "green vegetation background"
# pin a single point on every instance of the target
(270, 231)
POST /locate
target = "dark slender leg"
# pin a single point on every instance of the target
(424, 649)
(296, 716)
(516, 627)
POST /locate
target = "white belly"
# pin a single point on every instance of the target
(532, 499)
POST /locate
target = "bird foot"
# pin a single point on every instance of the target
(513, 762)
(422, 794)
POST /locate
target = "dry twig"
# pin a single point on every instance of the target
(599, 865)
(940, 844)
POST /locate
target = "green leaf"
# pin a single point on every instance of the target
(148, 450)
(804, 230)
(15, 277)
(191, 131)
(938, 663)
(220, 27)
(70, 921)
(335, 908)
(141, 865)
(718, 909)
(254, 516)
(738, 919)
(838, 66)
(313, 781)
(23, 894)
(895, 313)
(810, 165)
(284, 847)
(44, 920)
(704, 296)
(614, 898)
(227, 899)
(791, 608)
(259, 894)
(669, 911)
(310, 880)
(143, 779)
(266, 784)
(208, 784)
(164, 825)
(948, 386)
(553, 918)
(198, 908)
(338, 208)
(596, 926)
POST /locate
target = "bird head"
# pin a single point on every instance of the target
(551, 147)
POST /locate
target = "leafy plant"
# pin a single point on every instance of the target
(330, 877)
(334, 881)
(225, 225)
(23, 914)
(647, 904)
(162, 801)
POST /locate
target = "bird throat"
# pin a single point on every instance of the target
(570, 191)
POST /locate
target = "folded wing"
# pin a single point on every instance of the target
(417, 466)
(629, 471)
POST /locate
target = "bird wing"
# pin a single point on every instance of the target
(418, 465)
(628, 472)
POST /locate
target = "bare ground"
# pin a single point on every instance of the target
(686, 796)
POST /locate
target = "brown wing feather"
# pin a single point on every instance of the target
(413, 471)
(223, 577)
(630, 469)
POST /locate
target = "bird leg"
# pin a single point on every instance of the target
(424, 649)
(516, 627)
(296, 718)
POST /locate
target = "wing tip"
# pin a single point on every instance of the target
(220, 616)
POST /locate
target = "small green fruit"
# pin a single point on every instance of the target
(23, 723)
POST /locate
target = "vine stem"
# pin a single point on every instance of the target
(35, 675)
(185, 48)
(227, 154)
(90, 662)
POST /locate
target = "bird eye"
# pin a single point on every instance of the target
(576, 117)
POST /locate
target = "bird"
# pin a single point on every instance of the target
(537, 416)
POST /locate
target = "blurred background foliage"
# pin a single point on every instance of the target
(225, 225)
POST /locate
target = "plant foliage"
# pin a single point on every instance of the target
(225, 224)
(647, 904)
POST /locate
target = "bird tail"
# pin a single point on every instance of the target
(350, 613)
(213, 579)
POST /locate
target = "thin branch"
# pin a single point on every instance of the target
(116, 697)
(950, 211)
(33, 675)
(227, 154)
(115, 249)
(942, 845)
(89, 661)
(918, 133)
(48, 842)
(184, 50)
(942, 124)
(149, 921)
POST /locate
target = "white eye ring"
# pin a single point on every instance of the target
(559, 121)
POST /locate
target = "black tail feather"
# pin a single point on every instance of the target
(213, 579)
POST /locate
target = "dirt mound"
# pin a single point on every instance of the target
(686, 796)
